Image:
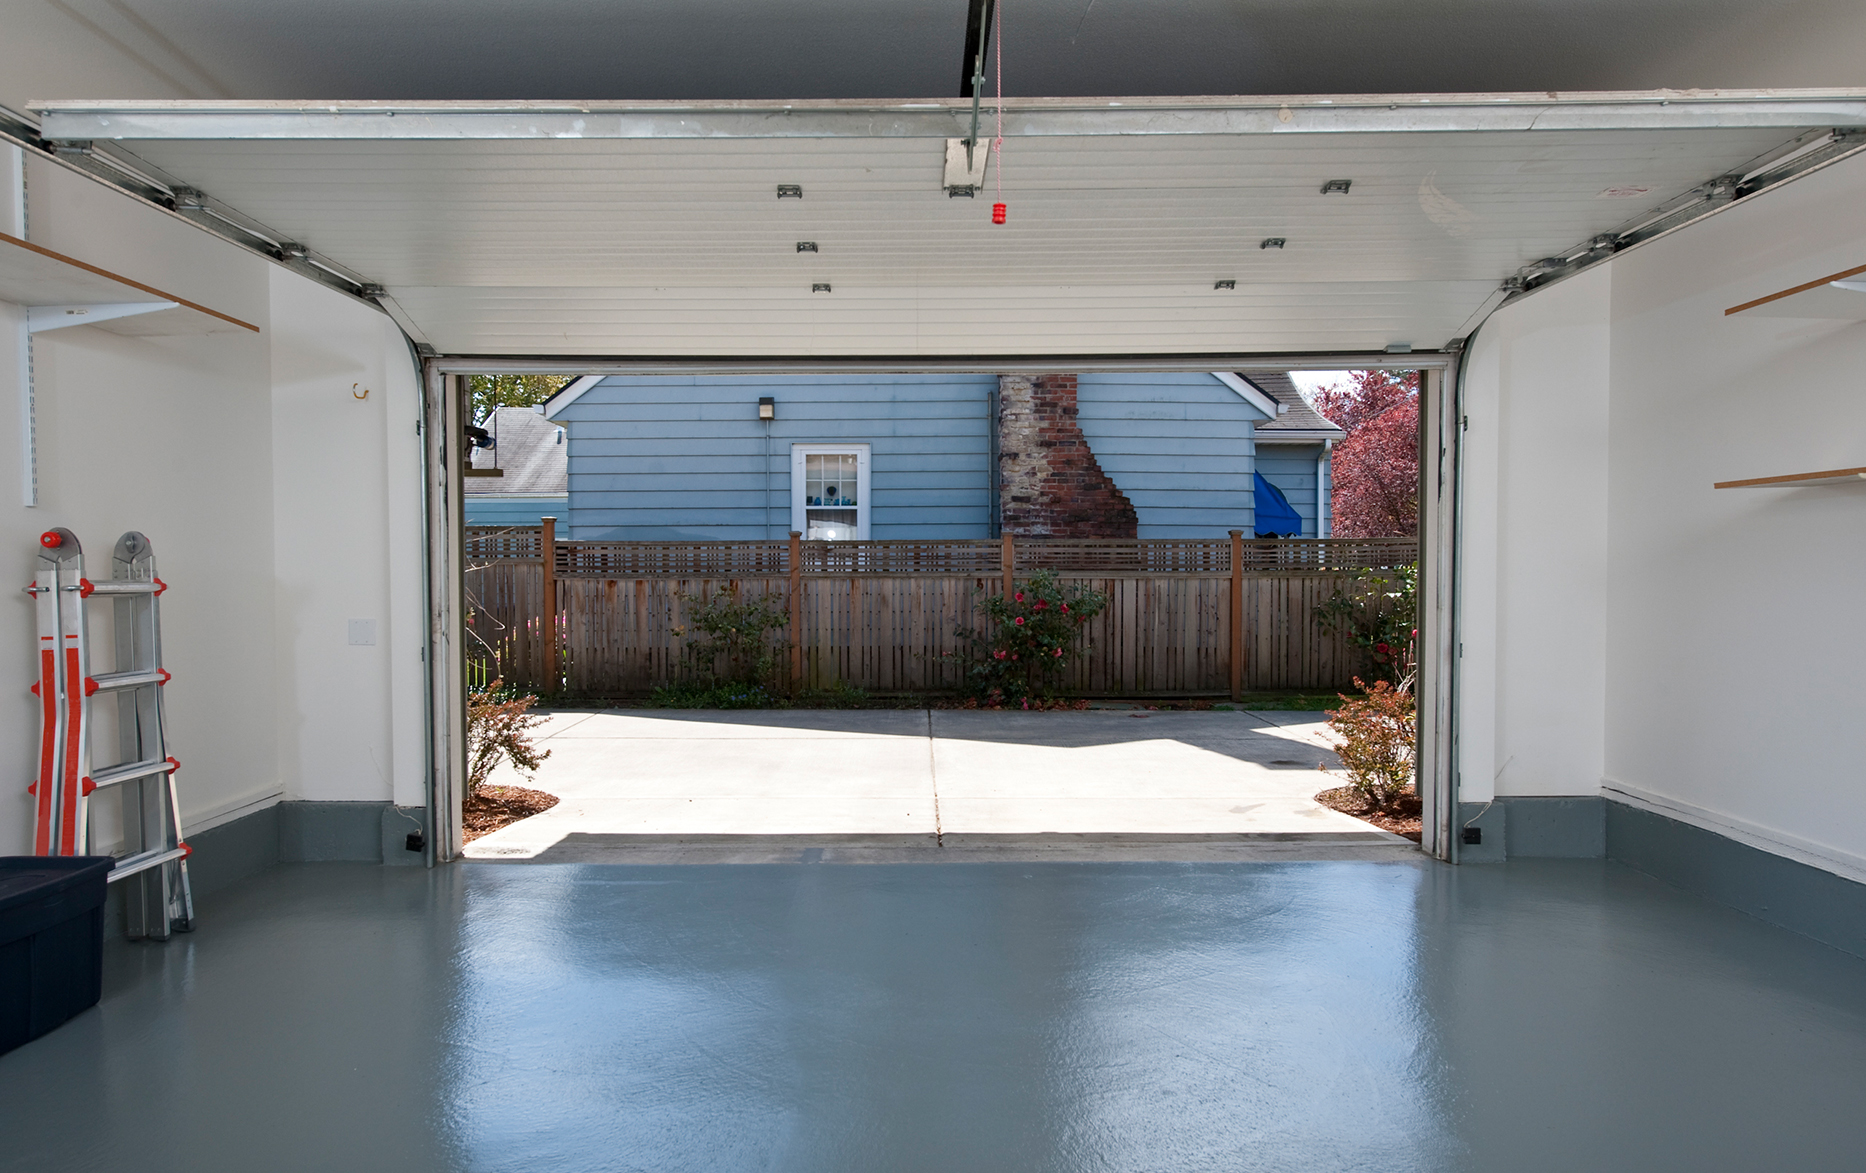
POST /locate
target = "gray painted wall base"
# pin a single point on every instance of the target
(397, 822)
(1829, 908)
(311, 832)
(1785, 892)
(232, 852)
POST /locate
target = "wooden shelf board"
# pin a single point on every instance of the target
(1831, 476)
(30, 275)
(1813, 299)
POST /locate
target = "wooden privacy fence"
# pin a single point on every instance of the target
(1183, 616)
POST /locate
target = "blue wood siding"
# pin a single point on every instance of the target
(670, 458)
(1291, 468)
(515, 510)
(1179, 445)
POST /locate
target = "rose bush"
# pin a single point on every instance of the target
(1027, 638)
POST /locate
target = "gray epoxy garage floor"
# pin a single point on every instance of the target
(1558, 1015)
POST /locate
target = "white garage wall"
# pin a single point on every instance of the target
(346, 477)
(1534, 571)
(169, 436)
(1734, 690)
(266, 491)
(1626, 626)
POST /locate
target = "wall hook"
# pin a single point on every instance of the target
(354, 395)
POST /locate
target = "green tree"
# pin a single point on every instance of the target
(490, 391)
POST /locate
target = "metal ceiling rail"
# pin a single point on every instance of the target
(150, 185)
(943, 118)
(1004, 365)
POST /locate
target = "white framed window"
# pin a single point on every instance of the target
(829, 491)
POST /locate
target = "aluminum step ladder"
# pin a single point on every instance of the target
(155, 856)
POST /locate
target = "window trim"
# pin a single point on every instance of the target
(799, 512)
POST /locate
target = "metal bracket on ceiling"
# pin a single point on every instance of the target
(1798, 156)
(111, 165)
(972, 85)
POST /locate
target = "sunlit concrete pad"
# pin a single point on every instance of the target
(806, 724)
(829, 848)
(613, 769)
(892, 785)
(785, 815)
(1148, 815)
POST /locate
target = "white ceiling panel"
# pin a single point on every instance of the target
(679, 245)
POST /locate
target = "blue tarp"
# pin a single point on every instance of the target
(1275, 516)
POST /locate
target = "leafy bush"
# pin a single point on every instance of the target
(1377, 740)
(697, 695)
(732, 641)
(1379, 613)
(1028, 638)
(499, 725)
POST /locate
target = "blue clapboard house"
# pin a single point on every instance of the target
(714, 457)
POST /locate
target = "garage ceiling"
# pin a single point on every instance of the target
(656, 229)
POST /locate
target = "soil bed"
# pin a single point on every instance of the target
(1402, 818)
(491, 807)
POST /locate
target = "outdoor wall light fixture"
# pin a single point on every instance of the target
(1224, 285)
(1337, 187)
(806, 246)
(1273, 242)
(820, 287)
(790, 191)
(767, 407)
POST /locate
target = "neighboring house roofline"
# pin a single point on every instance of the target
(570, 393)
(1298, 419)
(1250, 394)
(1296, 437)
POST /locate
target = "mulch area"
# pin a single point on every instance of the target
(1402, 818)
(491, 807)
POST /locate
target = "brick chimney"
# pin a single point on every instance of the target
(1049, 483)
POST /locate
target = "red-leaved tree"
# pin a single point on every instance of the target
(1376, 468)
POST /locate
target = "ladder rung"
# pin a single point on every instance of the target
(142, 861)
(106, 681)
(132, 770)
(115, 586)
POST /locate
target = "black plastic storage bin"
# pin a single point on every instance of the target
(51, 942)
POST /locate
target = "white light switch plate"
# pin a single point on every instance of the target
(363, 633)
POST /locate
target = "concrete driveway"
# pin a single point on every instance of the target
(686, 786)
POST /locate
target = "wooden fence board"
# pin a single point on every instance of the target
(890, 617)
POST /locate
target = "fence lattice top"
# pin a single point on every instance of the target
(1067, 555)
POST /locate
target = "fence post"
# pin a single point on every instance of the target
(1009, 559)
(1237, 614)
(796, 609)
(547, 549)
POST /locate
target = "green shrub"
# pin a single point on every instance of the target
(499, 724)
(1379, 613)
(1377, 740)
(730, 641)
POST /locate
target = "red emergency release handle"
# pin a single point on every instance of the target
(51, 539)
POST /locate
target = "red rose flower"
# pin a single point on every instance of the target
(1065, 608)
(1000, 653)
(1041, 604)
(1020, 621)
(1383, 649)
(1059, 651)
(1020, 596)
